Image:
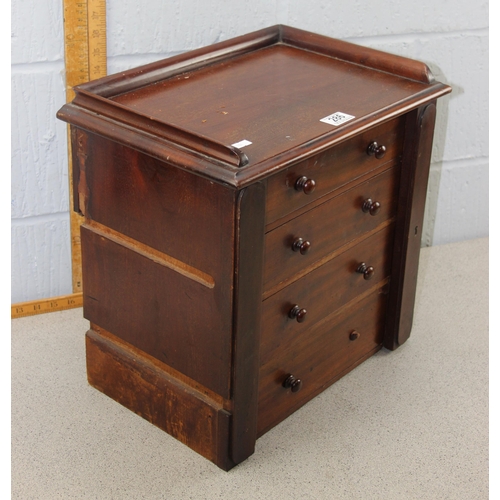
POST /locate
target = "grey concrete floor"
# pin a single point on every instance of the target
(408, 424)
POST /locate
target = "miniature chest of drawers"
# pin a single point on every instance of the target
(252, 224)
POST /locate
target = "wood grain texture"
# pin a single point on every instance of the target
(158, 310)
(365, 56)
(324, 290)
(192, 60)
(408, 235)
(332, 169)
(122, 373)
(250, 216)
(318, 358)
(250, 278)
(224, 102)
(205, 106)
(213, 396)
(146, 205)
(328, 226)
(153, 203)
(158, 257)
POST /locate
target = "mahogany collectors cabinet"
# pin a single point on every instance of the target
(253, 216)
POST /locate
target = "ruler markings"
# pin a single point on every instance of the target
(85, 59)
(47, 305)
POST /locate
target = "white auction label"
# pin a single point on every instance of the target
(337, 118)
(241, 144)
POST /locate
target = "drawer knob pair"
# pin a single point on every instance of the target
(300, 245)
(366, 271)
(290, 382)
(374, 149)
(371, 207)
(305, 185)
(297, 313)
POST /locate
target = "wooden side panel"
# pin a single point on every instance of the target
(250, 217)
(78, 147)
(183, 215)
(414, 178)
(126, 376)
(158, 257)
(134, 294)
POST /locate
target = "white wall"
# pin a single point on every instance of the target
(450, 36)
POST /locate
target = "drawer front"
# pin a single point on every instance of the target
(305, 240)
(328, 287)
(332, 169)
(319, 358)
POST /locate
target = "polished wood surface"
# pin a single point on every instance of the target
(138, 299)
(318, 358)
(136, 205)
(328, 226)
(225, 101)
(331, 169)
(151, 202)
(411, 199)
(250, 210)
(322, 291)
(209, 100)
(357, 54)
(227, 283)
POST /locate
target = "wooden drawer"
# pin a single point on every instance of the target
(318, 358)
(327, 227)
(332, 169)
(322, 291)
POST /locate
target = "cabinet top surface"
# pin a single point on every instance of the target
(274, 98)
(260, 98)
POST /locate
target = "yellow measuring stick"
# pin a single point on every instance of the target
(47, 305)
(84, 42)
(85, 59)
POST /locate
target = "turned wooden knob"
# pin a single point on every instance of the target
(304, 184)
(290, 382)
(366, 271)
(354, 335)
(370, 206)
(297, 313)
(374, 149)
(299, 245)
